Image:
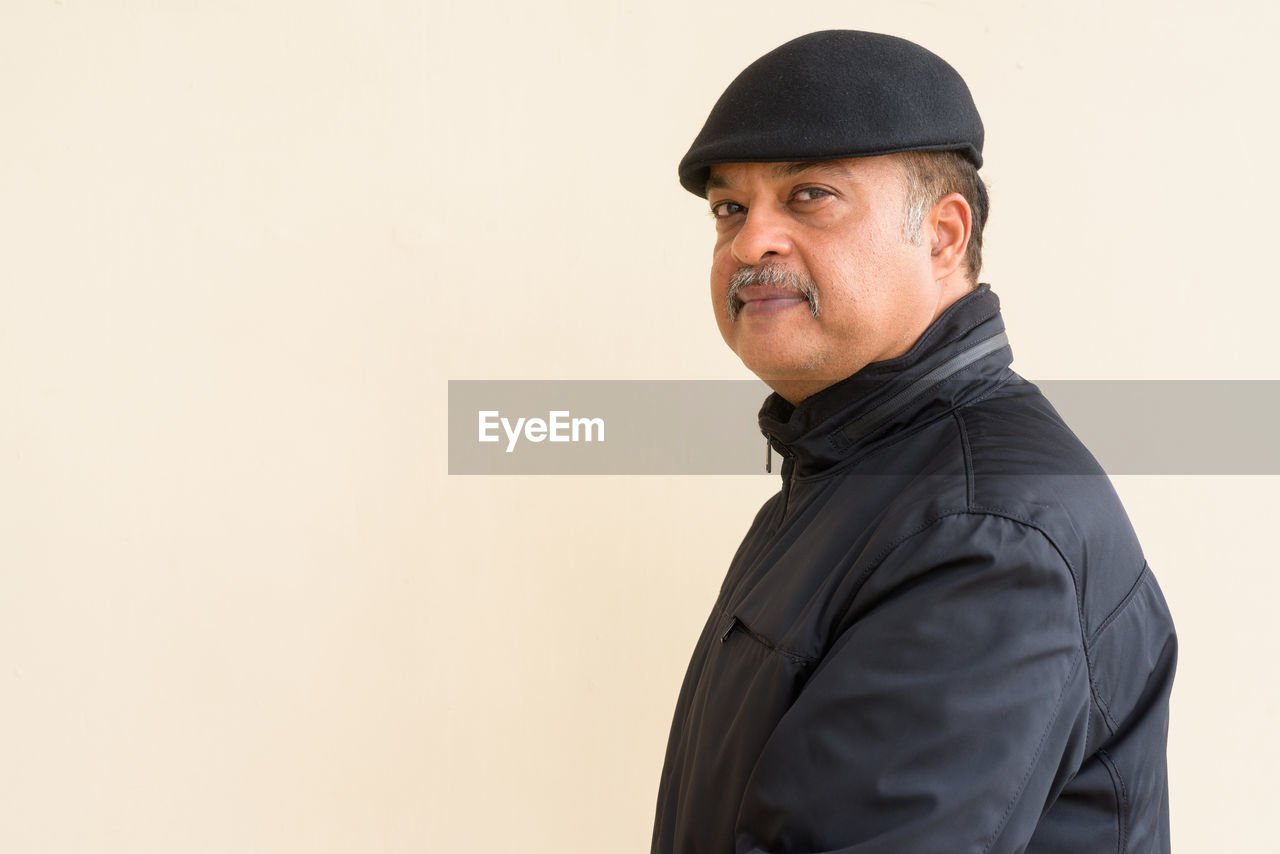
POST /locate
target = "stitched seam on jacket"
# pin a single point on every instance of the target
(1035, 757)
(968, 459)
(1103, 704)
(971, 511)
(979, 511)
(1122, 800)
(1104, 710)
(1094, 693)
(1139, 583)
(1088, 718)
(1082, 654)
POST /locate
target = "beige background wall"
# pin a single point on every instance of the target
(243, 246)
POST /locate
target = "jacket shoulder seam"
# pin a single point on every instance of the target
(1144, 576)
(1099, 699)
(889, 548)
(1002, 513)
(1075, 580)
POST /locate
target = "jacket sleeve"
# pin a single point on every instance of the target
(949, 711)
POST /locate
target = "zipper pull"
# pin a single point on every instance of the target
(724, 637)
(768, 456)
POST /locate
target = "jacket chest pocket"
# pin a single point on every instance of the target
(747, 686)
(736, 630)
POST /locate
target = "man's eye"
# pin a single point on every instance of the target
(810, 194)
(724, 210)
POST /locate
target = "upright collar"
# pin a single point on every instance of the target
(960, 357)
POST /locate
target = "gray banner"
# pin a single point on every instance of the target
(709, 427)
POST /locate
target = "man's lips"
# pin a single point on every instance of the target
(767, 299)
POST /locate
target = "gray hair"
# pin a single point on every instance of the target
(930, 175)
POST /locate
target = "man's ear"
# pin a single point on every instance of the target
(947, 228)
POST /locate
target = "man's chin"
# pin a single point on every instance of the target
(795, 381)
(772, 365)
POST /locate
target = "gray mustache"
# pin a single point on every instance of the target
(774, 276)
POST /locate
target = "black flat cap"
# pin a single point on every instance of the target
(836, 94)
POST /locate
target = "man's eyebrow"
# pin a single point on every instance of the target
(716, 182)
(787, 170)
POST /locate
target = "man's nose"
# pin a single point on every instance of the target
(764, 232)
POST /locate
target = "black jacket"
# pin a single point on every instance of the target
(939, 637)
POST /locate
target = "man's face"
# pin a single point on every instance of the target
(826, 282)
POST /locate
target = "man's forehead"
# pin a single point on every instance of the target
(726, 176)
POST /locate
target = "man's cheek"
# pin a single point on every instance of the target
(720, 276)
(722, 253)
(722, 269)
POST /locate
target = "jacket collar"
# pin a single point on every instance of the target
(963, 355)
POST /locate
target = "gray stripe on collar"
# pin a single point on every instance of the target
(863, 426)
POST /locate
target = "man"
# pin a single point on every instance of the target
(940, 635)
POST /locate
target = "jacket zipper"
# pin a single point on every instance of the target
(768, 467)
(736, 623)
